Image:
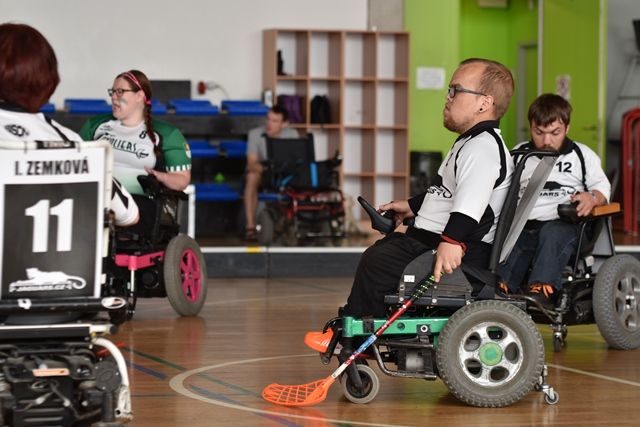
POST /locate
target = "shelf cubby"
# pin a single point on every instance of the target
(365, 76)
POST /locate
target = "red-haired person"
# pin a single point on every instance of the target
(28, 77)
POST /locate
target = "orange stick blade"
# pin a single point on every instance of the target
(298, 395)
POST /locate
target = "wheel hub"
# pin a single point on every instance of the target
(490, 354)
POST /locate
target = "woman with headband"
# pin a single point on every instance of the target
(141, 145)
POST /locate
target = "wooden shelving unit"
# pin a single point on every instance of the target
(365, 76)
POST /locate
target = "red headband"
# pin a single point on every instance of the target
(133, 78)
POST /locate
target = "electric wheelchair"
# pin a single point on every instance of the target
(156, 260)
(485, 346)
(307, 202)
(56, 365)
(598, 285)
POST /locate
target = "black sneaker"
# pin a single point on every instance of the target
(542, 292)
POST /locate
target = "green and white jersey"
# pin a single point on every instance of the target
(134, 149)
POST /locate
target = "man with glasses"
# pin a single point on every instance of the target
(458, 216)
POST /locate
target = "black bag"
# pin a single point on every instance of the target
(320, 110)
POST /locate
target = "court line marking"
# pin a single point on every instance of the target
(203, 391)
(594, 375)
(177, 384)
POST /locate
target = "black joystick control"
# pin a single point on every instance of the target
(384, 223)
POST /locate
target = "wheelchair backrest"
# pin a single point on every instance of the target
(508, 221)
(53, 235)
(292, 164)
(289, 152)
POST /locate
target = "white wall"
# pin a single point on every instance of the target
(209, 40)
(621, 47)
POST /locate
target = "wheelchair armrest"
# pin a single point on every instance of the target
(567, 212)
(149, 184)
(606, 210)
(154, 188)
(384, 223)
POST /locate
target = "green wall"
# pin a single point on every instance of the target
(496, 33)
(434, 27)
(561, 58)
(444, 32)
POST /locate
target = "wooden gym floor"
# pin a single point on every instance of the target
(210, 370)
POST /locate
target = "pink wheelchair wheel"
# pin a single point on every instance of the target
(185, 275)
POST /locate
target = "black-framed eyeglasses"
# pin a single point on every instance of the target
(455, 89)
(118, 91)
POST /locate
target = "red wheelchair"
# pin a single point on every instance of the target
(306, 202)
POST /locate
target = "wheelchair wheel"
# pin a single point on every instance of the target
(490, 354)
(370, 385)
(616, 302)
(185, 275)
(266, 227)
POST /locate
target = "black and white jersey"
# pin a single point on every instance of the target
(23, 126)
(18, 125)
(475, 175)
(578, 168)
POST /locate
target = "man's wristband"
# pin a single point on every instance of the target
(448, 239)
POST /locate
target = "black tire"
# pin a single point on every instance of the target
(266, 227)
(483, 330)
(370, 382)
(185, 275)
(616, 302)
(558, 344)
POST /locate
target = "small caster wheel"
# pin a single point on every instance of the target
(552, 397)
(558, 344)
(370, 385)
